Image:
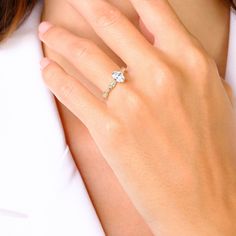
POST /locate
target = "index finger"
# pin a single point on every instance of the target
(115, 30)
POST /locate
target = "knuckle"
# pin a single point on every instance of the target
(134, 102)
(199, 60)
(50, 73)
(168, 83)
(66, 90)
(114, 129)
(165, 78)
(54, 78)
(108, 17)
(166, 72)
(79, 49)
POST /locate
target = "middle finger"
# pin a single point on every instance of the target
(115, 30)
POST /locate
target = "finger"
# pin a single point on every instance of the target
(73, 95)
(86, 56)
(160, 19)
(147, 34)
(115, 30)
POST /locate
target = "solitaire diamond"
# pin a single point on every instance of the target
(118, 76)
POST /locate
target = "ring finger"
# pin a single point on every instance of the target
(86, 56)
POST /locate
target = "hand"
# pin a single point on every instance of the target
(168, 133)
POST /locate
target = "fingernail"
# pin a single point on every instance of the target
(44, 27)
(44, 63)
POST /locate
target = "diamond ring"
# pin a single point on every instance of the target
(117, 77)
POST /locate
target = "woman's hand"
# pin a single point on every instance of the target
(169, 132)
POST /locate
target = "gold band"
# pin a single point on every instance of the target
(112, 85)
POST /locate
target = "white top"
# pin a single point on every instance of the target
(41, 190)
(230, 76)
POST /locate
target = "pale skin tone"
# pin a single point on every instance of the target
(167, 192)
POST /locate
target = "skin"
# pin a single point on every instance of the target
(111, 204)
(116, 212)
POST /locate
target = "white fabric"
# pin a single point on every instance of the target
(41, 191)
(230, 75)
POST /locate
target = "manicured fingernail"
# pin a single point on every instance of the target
(44, 62)
(44, 27)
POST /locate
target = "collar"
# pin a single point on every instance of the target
(38, 176)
